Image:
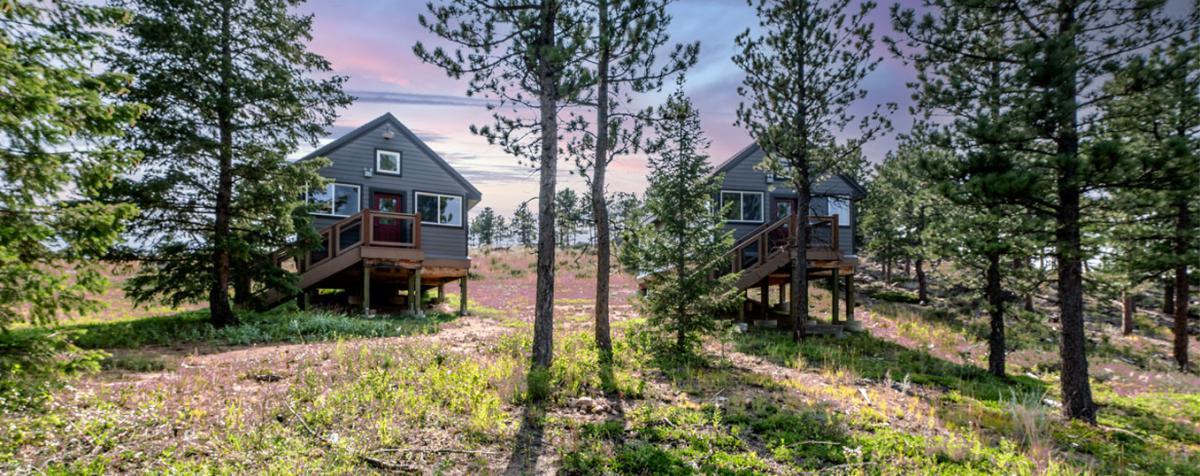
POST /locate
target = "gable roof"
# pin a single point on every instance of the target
(746, 152)
(472, 192)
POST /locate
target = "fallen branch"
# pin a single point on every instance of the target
(434, 450)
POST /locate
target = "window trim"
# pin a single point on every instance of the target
(741, 215)
(332, 189)
(416, 208)
(399, 162)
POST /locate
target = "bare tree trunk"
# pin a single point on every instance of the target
(907, 267)
(1183, 223)
(1127, 311)
(922, 282)
(599, 204)
(220, 313)
(543, 322)
(887, 271)
(995, 298)
(1168, 306)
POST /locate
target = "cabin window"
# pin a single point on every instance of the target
(387, 162)
(743, 206)
(841, 208)
(438, 209)
(338, 199)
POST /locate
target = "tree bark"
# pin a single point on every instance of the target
(1127, 311)
(220, 313)
(799, 247)
(887, 271)
(543, 322)
(995, 299)
(1168, 306)
(1183, 223)
(1077, 391)
(922, 282)
(599, 204)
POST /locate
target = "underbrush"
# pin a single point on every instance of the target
(285, 325)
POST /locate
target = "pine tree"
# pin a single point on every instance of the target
(60, 117)
(524, 226)
(628, 35)
(802, 76)
(684, 245)
(524, 54)
(1056, 74)
(1156, 122)
(484, 227)
(230, 94)
(567, 204)
(908, 204)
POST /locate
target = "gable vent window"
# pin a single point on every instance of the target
(743, 206)
(338, 199)
(387, 162)
(438, 209)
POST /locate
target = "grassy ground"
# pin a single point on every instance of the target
(291, 392)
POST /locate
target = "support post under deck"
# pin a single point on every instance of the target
(850, 324)
(833, 289)
(765, 295)
(366, 289)
(414, 291)
(462, 296)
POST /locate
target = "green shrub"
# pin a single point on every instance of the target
(537, 384)
(35, 361)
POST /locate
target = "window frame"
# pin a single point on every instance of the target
(416, 207)
(331, 189)
(399, 162)
(741, 207)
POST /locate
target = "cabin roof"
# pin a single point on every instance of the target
(472, 192)
(746, 152)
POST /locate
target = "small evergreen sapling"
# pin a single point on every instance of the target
(685, 243)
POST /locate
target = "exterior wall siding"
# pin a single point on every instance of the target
(743, 176)
(418, 173)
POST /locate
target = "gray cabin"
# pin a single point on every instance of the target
(759, 198)
(762, 215)
(392, 222)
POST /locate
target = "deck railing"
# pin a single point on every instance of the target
(366, 228)
(771, 238)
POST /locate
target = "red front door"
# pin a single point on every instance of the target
(783, 207)
(389, 229)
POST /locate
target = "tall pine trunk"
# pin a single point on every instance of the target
(218, 295)
(1183, 223)
(995, 299)
(543, 322)
(1077, 391)
(599, 204)
(799, 246)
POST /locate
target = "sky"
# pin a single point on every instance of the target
(371, 41)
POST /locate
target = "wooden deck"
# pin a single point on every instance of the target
(376, 258)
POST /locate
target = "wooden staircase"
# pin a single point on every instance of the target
(763, 258)
(764, 252)
(366, 236)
